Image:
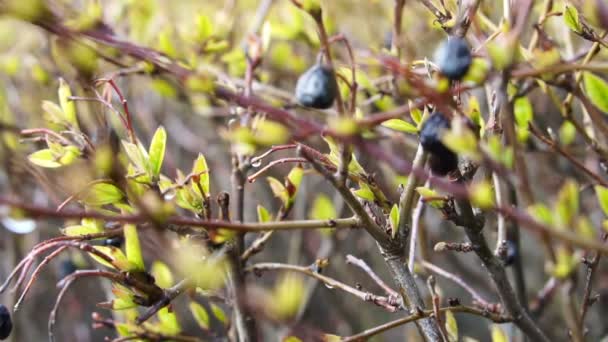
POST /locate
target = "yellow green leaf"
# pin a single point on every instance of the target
(596, 89)
(101, 194)
(394, 219)
(68, 107)
(322, 208)
(132, 246)
(162, 274)
(498, 335)
(400, 125)
(157, 150)
(44, 158)
(200, 315)
(451, 326)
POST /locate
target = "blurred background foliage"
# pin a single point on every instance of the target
(212, 36)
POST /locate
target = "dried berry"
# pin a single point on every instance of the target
(6, 325)
(441, 160)
(317, 87)
(454, 58)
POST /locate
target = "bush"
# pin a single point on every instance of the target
(200, 198)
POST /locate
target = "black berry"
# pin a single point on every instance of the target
(6, 325)
(317, 87)
(114, 241)
(453, 58)
(442, 160)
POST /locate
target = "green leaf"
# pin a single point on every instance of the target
(136, 155)
(364, 192)
(157, 150)
(200, 315)
(268, 133)
(541, 213)
(451, 326)
(78, 230)
(287, 296)
(478, 71)
(279, 190)
(101, 194)
(461, 140)
(263, 214)
(200, 168)
(168, 322)
(67, 106)
(44, 158)
(567, 133)
(118, 258)
(571, 19)
(415, 113)
(498, 335)
(162, 274)
(566, 263)
(482, 195)
(394, 219)
(294, 179)
(219, 313)
(400, 125)
(602, 197)
(427, 194)
(322, 208)
(597, 90)
(53, 113)
(522, 108)
(204, 27)
(567, 203)
(132, 247)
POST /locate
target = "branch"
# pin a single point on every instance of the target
(436, 269)
(365, 267)
(365, 335)
(168, 296)
(497, 273)
(388, 303)
(191, 223)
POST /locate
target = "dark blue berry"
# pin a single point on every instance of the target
(66, 268)
(317, 87)
(6, 325)
(114, 241)
(453, 58)
(511, 253)
(442, 160)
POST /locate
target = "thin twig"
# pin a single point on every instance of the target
(389, 304)
(365, 335)
(365, 267)
(436, 269)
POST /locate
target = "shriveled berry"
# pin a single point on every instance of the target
(317, 87)
(6, 325)
(442, 160)
(453, 58)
